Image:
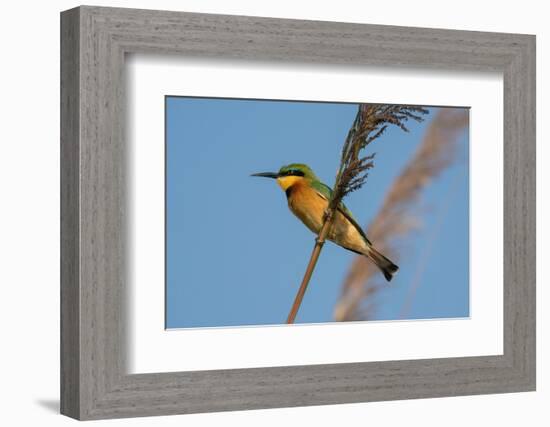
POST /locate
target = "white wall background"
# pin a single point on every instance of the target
(29, 213)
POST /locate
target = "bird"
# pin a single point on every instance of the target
(308, 198)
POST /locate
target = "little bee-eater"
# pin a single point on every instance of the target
(308, 199)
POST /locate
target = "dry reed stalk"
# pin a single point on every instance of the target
(319, 242)
(395, 219)
(370, 123)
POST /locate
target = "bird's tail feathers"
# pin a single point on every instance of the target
(387, 267)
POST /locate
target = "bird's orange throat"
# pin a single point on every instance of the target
(285, 182)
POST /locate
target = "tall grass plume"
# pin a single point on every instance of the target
(396, 219)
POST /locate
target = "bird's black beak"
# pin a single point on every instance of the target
(266, 175)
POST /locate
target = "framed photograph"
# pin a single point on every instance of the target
(261, 213)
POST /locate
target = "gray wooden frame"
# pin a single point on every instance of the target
(94, 41)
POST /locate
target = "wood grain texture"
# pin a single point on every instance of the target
(70, 221)
(94, 380)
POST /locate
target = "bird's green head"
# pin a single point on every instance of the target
(290, 174)
(297, 169)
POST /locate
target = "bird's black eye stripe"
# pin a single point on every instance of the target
(294, 172)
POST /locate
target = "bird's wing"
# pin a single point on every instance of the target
(325, 192)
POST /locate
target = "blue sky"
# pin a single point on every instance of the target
(235, 253)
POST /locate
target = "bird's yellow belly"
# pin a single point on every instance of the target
(309, 207)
